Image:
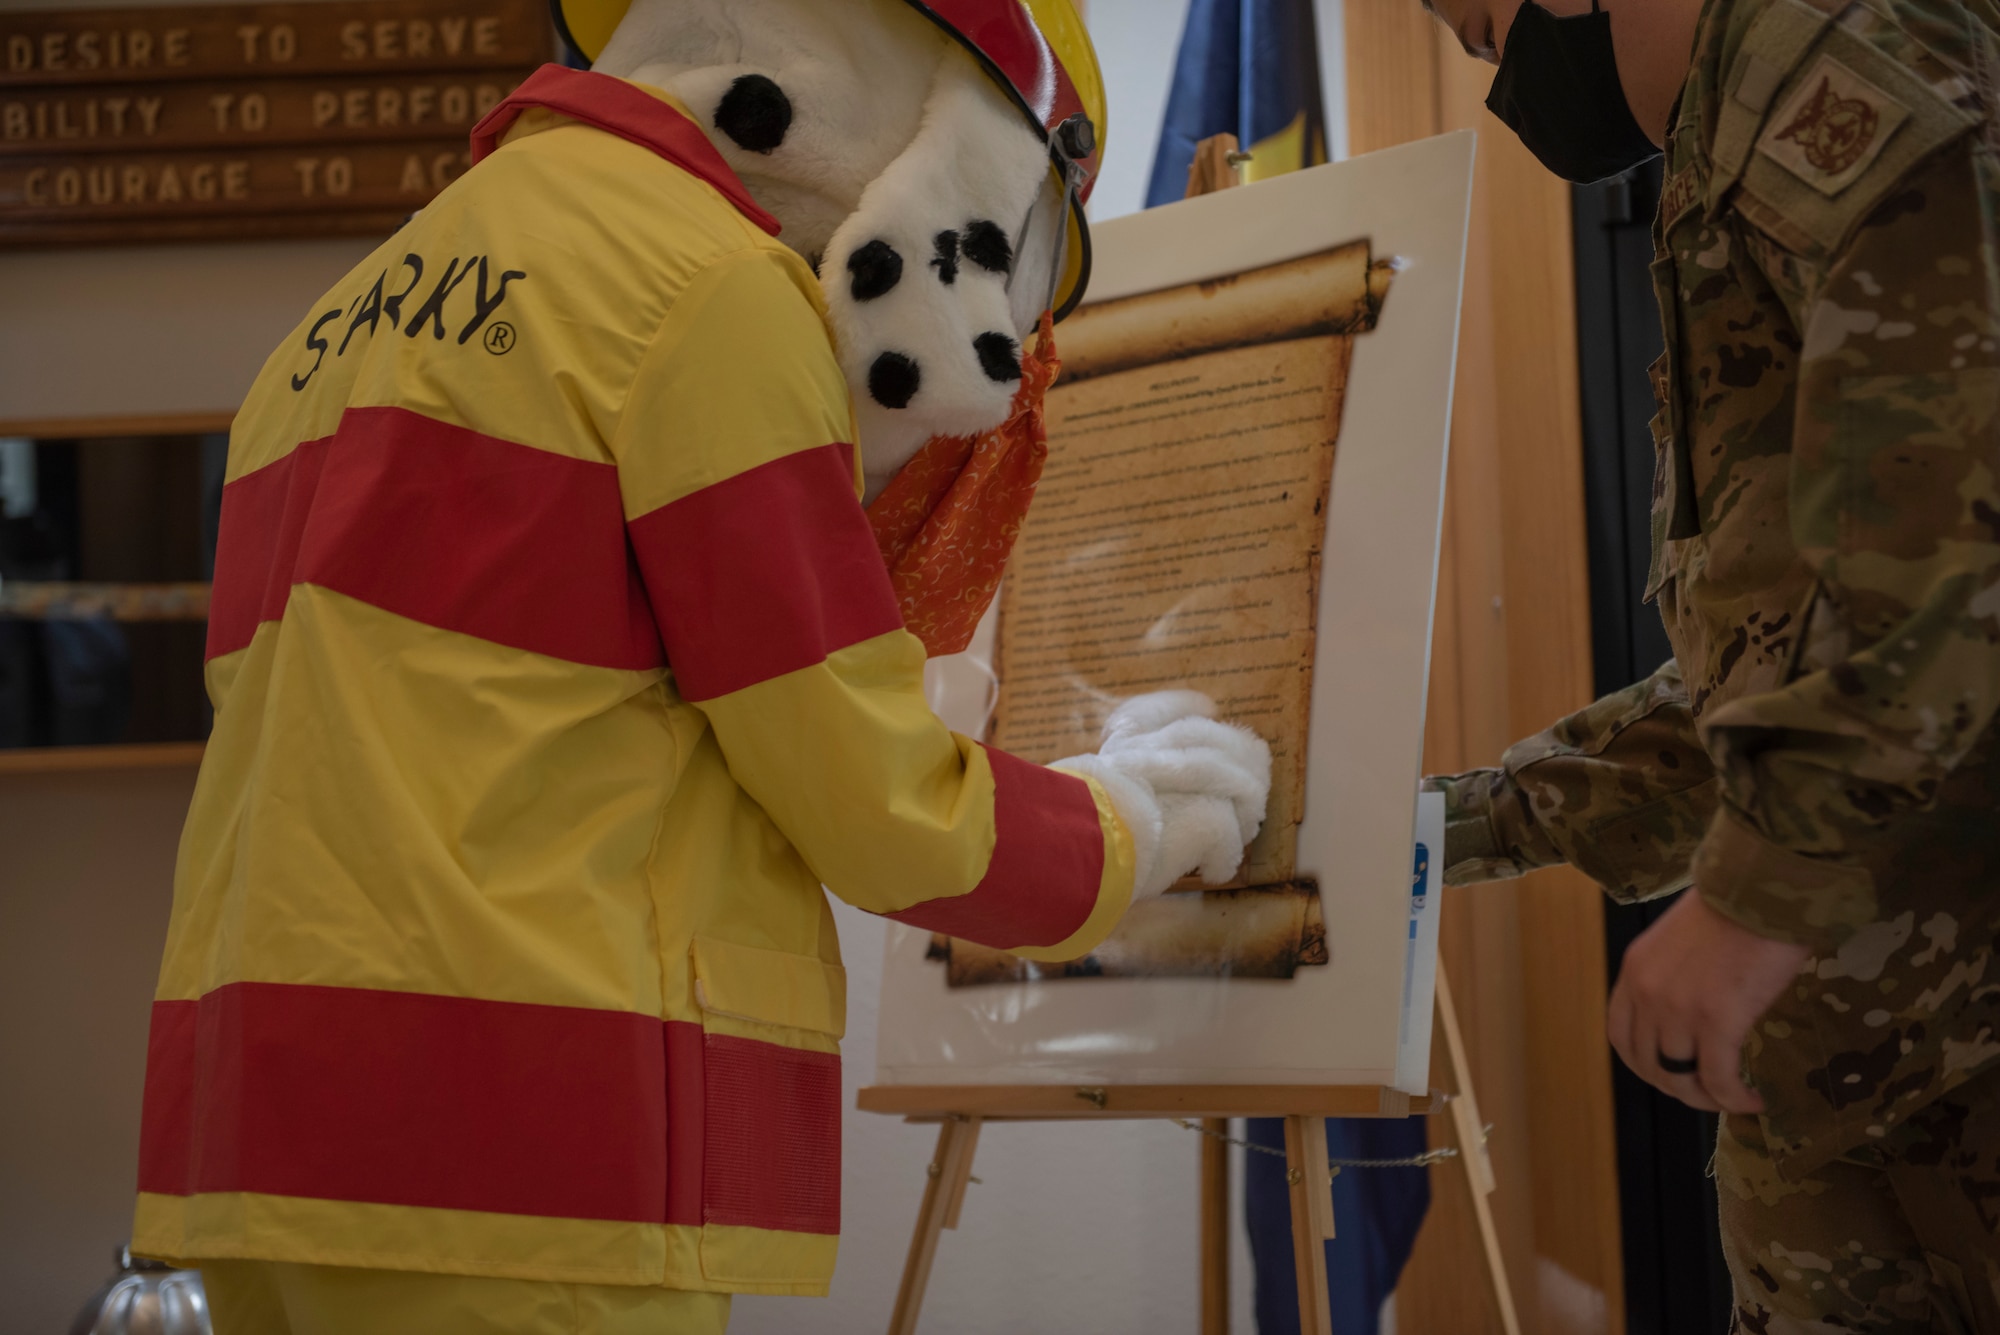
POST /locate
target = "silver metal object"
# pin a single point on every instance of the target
(146, 1298)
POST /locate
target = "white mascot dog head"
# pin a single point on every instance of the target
(937, 201)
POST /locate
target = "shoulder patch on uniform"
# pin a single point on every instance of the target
(1832, 128)
(1852, 122)
(1778, 38)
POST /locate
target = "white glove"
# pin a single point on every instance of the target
(1191, 790)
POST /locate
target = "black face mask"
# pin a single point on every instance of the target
(1558, 90)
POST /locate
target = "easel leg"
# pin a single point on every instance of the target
(961, 1177)
(1470, 1131)
(1312, 1219)
(944, 1196)
(1214, 1227)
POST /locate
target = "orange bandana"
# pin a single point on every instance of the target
(948, 520)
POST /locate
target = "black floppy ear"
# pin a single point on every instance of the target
(754, 113)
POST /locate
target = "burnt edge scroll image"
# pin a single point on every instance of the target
(1175, 541)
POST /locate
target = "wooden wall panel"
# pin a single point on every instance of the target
(1529, 275)
(1511, 654)
(1392, 73)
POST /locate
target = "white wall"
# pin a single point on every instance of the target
(139, 330)
(86, 879)
(1136, 42)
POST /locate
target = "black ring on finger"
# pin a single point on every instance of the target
(1677, 1065)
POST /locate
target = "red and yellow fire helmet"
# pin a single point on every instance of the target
(1037, 51)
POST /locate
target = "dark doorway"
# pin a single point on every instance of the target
(1675, 1281)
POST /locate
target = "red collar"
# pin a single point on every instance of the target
(619, 108)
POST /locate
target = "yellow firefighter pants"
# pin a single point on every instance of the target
(275, 1298)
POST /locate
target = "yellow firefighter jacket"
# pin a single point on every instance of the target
(555, 670)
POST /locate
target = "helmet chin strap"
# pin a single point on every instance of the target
(1061, 265)
(1060, 260)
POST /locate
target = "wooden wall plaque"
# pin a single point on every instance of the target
(221, 121)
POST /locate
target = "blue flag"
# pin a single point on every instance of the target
(1376, 1214)
(1248, 68)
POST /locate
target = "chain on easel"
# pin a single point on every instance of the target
(1424, 1160)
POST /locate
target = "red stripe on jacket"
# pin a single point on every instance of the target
(401, 1098)
(619, 108)
(764, 573)
(1048, 862)
(771, 1136)
(443, 525)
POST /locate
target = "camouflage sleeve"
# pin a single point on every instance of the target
(1622, 790)
(1895, 504)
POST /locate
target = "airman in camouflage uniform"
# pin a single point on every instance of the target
(1821, 759)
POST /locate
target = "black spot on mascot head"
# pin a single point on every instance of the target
(987, 246)
(945, 260)
(873, 270)
(894, 380)
(755, 113)
(999, 357)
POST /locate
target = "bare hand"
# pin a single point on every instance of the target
(1690, 988)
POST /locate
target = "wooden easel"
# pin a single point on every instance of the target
(962, 1110)
(1218, 165)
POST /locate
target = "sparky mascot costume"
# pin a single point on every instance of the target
(557, 665)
